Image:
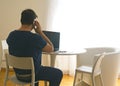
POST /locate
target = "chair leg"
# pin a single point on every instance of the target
(81, 77)
(6, 78)
(75, 78)
(5, 83)
(83, 82)
(101, 80)
(93, 81)
(97, 80)
(45, 83)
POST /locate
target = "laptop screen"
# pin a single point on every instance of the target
(54, 37)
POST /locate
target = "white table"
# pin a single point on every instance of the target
(54, 54)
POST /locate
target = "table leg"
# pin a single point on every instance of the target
(52, 60)
(78, 60)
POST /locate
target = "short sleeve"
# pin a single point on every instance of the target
(39, 41)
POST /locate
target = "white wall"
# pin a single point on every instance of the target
(10, 13)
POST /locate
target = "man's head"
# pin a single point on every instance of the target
(28, 16)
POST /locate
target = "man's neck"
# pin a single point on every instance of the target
(26, 28)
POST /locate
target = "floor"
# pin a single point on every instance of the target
(66, 81)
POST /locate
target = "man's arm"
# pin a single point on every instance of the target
(49, 46)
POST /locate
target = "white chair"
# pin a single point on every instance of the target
(109, 69)
(88, 74)
(21, 63)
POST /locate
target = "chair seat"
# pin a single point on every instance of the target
(86, 69)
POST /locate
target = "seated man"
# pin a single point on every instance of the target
(22, 42)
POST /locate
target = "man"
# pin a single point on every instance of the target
(22, 42)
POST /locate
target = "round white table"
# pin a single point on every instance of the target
(54, 54)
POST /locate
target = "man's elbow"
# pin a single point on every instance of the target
(48, 49)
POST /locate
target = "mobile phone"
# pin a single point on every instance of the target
(34, 26)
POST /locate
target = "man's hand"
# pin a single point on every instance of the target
(49, 46)
(37, 27)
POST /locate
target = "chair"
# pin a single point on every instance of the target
(21, 63)
(109, 70)
(88, 74)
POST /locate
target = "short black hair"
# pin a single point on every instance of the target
(28, 16)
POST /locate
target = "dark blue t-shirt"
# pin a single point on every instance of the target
(26, 43)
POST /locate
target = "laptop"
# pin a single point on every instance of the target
(54, 38)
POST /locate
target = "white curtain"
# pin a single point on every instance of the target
(85, 23)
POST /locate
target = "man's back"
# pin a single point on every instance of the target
(25, 43)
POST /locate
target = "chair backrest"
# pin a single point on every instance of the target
(3, 50)
(21, 63)
(88, 57)
(97, 66)
(96, 71)
(110, 68)
(4, 44)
